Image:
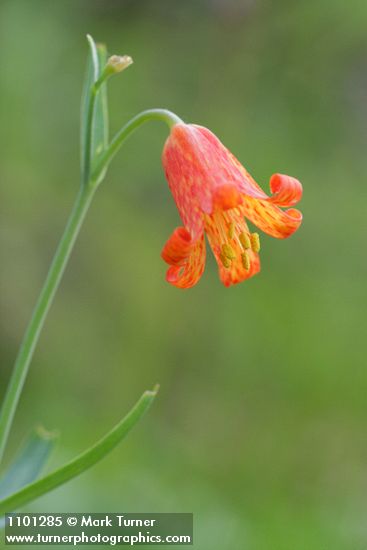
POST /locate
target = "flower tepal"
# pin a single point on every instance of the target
(215, 195)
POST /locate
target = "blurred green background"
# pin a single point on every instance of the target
(260, 424)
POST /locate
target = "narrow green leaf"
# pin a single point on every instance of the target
(82, 462)
(91, 76)
(94, 109)
(28, 464)
(100, 122)
(94, 57)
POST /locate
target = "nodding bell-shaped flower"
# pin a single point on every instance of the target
(215, 195)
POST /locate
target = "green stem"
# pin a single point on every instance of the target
(39, 314)
(62, 255)
(82, 462)
(151, 114)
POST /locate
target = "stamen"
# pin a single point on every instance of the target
(255, 242)
(228, 251)
(230, 237)
(221, 226)
(245, 260)
(231, 229)
(225, 261)
(245, 240)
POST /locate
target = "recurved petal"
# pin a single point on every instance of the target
(264, 211)
(178, 247)
(186, 258)
(287, 191)
(270, 218)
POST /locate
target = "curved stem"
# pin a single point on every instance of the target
(39, 314)
(151, 114)
(62, 255)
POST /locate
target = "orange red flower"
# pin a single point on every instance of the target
(215, 195)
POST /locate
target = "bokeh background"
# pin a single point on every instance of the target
(260, 424)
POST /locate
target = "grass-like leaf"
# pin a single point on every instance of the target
(82, 462)
(100, 122)
(94, 109)
(28, 464)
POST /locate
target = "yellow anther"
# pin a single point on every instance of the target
(228, 251)
(231, 229)
(245, 260)
(225, 261)
(245, 240)
(255, 242)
